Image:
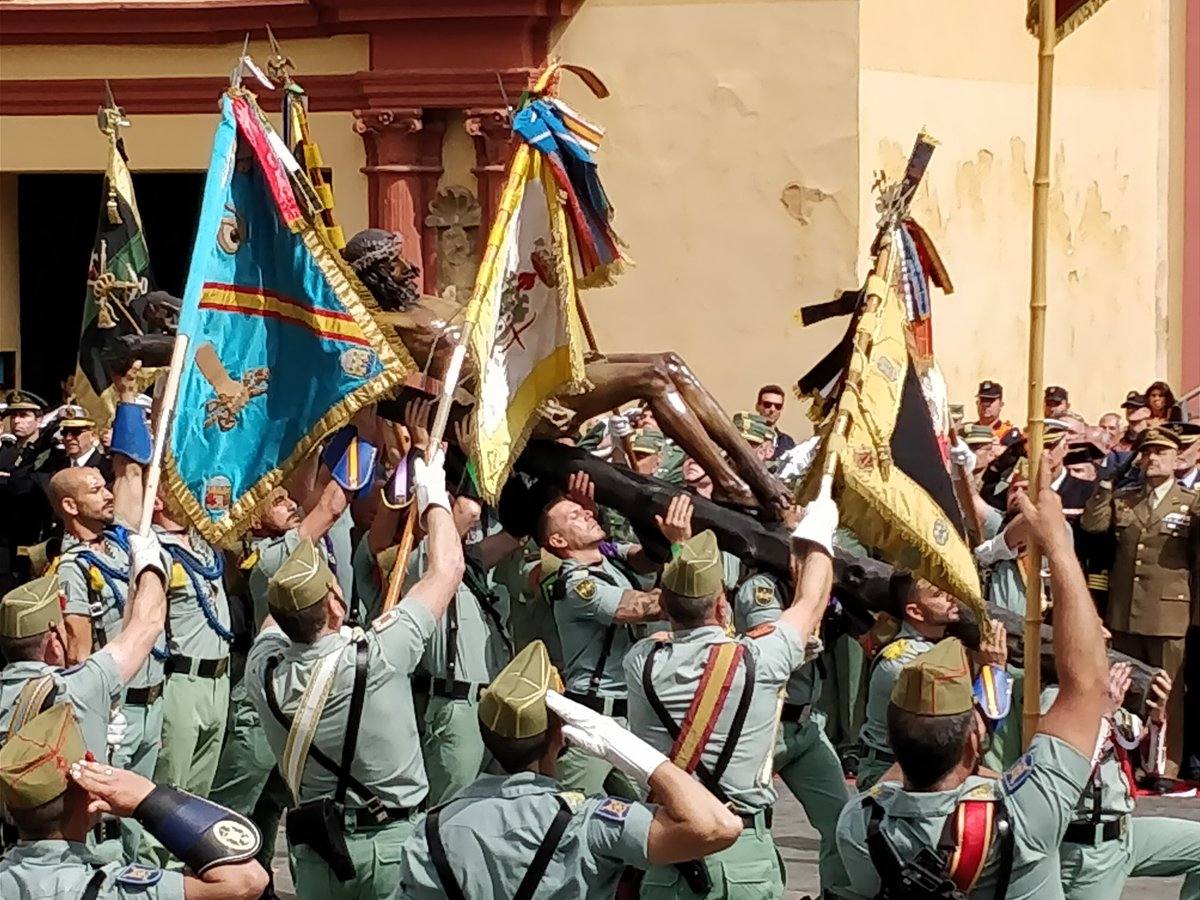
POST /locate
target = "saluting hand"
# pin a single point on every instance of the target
(581, 490)
(113, 790)
(676, 526)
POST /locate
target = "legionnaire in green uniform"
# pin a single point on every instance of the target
(336, 707)
(1105, 844)
(934, 825)
(711, 703)
(926, 612)
(758, 434)
(804, 757)
(198, 638)
(246, 780)
(595, 604)
(509, 836)
(1154, 583)
(33, 640)
(51, 792)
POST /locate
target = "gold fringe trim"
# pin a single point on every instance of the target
(1084, 12)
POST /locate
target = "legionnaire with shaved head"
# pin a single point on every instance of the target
(53, 790)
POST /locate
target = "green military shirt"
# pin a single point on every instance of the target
(886, 669)
(1107, 790)
(760, 601)
(269, 553)
(197, 607)
(531, 615)
(370, 582)
(1005, 580)
(492, 829)
(340, 550)
(482, 646)
(586, 611)
(676, 673)
(40, 870)
(388, 756)
(101, 596)
(1039, 794)
(92, 687)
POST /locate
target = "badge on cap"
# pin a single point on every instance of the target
(135, 875)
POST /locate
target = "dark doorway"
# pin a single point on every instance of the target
(57, 216)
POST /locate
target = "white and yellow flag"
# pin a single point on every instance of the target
(527, 343)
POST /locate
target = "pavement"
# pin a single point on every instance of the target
(798, 844)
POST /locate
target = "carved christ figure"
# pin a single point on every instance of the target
(429, 328)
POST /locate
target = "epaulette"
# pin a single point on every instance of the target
(895, 649)
(985, 791)
(573, 799)
(760, 630)
(249, 561)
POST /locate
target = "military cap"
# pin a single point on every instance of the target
(22, 401)
(35, 760)
(302, 580)
(1134, 400)
(514, 704)
(1159, 436)
(696, 571)
(33, 608)
(977, 435)
(1056, 394)
(936, 683)
(753, 427)
(1187, 432)
(648, 440)
(990, 390)
(77, 418)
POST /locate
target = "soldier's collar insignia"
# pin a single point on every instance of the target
(586, 589)
(764, 595)
(139, 876)
(1019, 773)
(613, 809)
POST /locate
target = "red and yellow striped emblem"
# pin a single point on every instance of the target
(702, 715)
(973, 839)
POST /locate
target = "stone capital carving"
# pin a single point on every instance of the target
(378, 121)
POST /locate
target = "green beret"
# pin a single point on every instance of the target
(753, 427)
(697, 570)
(35, 760)
(302, 580)
(1158, 436)
(648, 440)
(936, 683)
(32, 608)
(514, 704)
(978, 435)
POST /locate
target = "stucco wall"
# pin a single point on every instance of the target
(716, 109)
(967, 72)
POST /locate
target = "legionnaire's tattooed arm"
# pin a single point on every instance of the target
(638, 606)
(1078, 634)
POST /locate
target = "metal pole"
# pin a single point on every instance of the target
(1037, 345)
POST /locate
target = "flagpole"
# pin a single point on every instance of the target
(166, 412)
(1037, 346)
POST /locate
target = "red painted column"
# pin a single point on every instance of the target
(493, 149)
(404, 163)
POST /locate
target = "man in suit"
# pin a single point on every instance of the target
(1151, 597)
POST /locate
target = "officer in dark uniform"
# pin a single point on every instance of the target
(24, 510)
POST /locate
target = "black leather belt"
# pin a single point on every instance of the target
(749, 819)
(795, 712)
(190, 665)
(609, 706)
(444, 687)
(1091, 835)
(143, 696)
(885, 756)
(365, 818)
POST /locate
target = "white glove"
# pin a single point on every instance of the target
(597, 735)
(429, 478)
(818, 525)
(993, 551)
(145, 552)
(963, 456)
(117, 726)
(619, 427)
